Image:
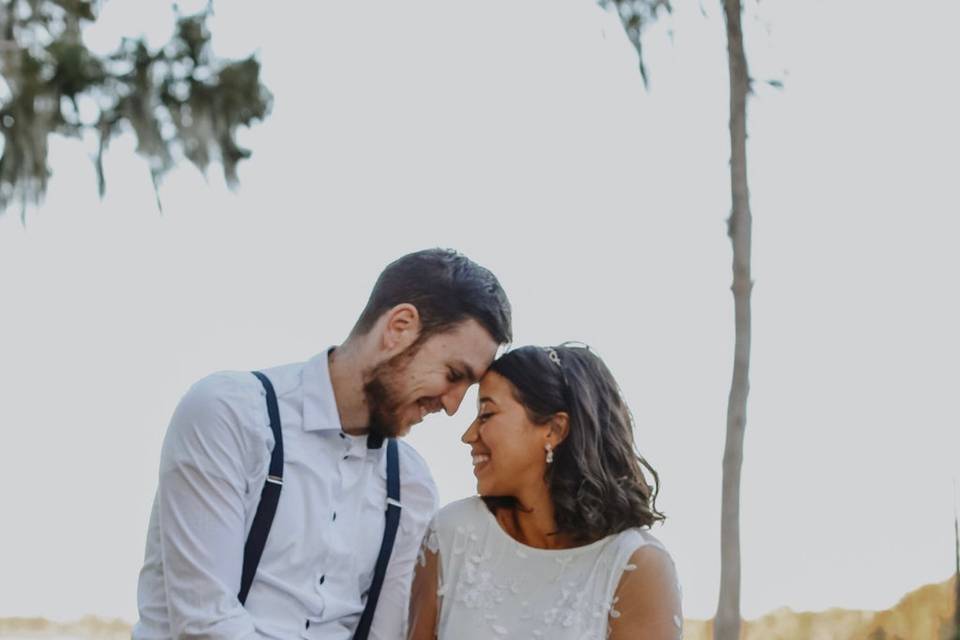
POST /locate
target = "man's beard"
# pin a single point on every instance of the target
(382, 392)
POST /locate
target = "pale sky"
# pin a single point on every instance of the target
(520, 133)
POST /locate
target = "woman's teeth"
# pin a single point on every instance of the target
(479, 459)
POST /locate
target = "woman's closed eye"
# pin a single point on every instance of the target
(483, 417)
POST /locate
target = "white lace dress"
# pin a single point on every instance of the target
(491, 586)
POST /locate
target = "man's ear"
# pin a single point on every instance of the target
(401, 328)
(559, 428)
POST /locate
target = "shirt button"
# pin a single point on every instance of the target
(307, 625)
(334, 516)
(319, 583)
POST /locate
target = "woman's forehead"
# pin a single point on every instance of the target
(492, 383)
(493, 388)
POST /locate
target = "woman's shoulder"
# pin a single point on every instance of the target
(642, 554)
(647, 594)
(465, 512)
(637, 546)
(464, 508)
(635, 538)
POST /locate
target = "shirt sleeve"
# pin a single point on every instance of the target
(202, 519)
(420, 497)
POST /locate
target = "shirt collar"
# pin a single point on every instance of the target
(319, 402)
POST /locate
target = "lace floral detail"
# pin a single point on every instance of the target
(430, 543)
(576, 609)
(475, 587)
(613, 607)
(478, 588)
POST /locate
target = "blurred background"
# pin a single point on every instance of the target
(522, 134)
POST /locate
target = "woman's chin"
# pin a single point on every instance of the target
(484, 489)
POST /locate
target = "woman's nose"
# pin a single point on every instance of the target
(470, 435)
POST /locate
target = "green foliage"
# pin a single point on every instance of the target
(636, 15)
(178, 101)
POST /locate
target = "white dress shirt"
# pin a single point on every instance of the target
(319, 558)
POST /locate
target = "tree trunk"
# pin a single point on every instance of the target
(727, 622)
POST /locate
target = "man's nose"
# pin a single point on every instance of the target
(451, 399)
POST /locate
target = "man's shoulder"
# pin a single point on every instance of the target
(223, 383)
(284, 378)
(416, 479)
(229, 385)
(218, 391)
(220, 419)
(410, 459)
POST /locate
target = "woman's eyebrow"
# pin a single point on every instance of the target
(486, 399)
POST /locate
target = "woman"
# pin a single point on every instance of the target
(555, 545)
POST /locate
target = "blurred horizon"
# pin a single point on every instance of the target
(925, 612)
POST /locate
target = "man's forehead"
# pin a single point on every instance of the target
(471, 346)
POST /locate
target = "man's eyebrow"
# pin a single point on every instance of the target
(471, 374)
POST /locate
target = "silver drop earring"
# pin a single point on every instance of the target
(549, 448)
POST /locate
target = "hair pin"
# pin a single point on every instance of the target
(553, 355)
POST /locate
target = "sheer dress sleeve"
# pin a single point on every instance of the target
(427, 584)
(647, 601)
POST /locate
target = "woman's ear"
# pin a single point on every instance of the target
(401, 328)
(559, 428)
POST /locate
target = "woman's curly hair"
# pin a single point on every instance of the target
(596, 480)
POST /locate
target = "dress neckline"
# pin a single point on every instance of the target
(495, 524)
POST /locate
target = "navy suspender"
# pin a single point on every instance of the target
(270, 496)
(389, 535)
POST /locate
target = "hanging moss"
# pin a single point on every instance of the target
(179, 101)
(636, 15)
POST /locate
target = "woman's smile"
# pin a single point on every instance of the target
(480, 461)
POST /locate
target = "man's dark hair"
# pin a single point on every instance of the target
(596, 481)
(446, 287)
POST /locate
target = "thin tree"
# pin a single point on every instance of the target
(635, 15)
(739, 228)
(178, 100)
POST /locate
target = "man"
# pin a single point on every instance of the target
(430, 329)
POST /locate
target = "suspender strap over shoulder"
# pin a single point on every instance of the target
(269, 497)
(389, 536)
